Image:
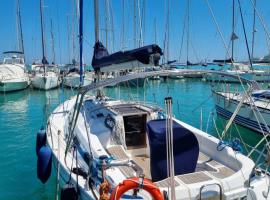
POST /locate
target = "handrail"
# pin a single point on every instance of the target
(114, 81)
(108, 82)
(217, 184)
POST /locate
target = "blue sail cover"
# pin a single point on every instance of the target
(185, 147)
(229, 60)
(261, 94)
(102, 58)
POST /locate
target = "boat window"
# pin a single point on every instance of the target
(135, 131)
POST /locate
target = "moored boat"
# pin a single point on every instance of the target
(254, 112)
(13, 75)
(113, 141)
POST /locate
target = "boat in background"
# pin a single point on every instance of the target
(13, 75)
(175, 75)
(254, 112)
(72, 78)
(242, 70)
(45, 76)
(13, 72)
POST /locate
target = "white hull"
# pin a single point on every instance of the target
(13, 77)
(73, 80)
(14, 84)
(49, 81)
(227, 169)
(256, 75)
(226, 104)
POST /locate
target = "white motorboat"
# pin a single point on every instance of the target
(13, 75)
(46, 77)
(101, 141)
(254, 112)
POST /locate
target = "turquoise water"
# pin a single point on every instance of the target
(23, 113)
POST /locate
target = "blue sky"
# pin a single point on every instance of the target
(205, 42)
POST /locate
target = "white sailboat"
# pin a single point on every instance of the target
(13, 74)
(114, 143)
(112, 149)
(45, 76)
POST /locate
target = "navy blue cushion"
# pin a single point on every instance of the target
(185, 147)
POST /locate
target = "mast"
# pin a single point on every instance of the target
(44, 60)
(188, 8)
(168, 30)
(233, 34)
(134, 23)
(73, 33)
(19, 22)
(123, 25)
(140, 24)
(52, 37)
(96, 16)
(96, 13)
(155, 30)
(106, 21)
(81, 40)
(68, 38)
(253, 31)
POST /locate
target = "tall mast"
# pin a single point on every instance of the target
(106, 21)
(68, 38)
(168, 30)
(96, 12)
(155, 30)
(233, 34)
(140, 25)
(134, 23)
(81, 41)
(188, 8)
(52, 37)
(21, 46)
(123, 24)
(44, 60)
(73, 32)
(253, 31)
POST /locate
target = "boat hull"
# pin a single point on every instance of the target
(13, 85)
(74, 81)
(246, 116)
(233, 184)
(259, 76)
(45, 82)
(221, 78)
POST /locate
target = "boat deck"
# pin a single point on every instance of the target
(207, 169)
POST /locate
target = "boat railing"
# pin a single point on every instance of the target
(210, 185)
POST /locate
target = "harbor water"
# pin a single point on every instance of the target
(23, 113)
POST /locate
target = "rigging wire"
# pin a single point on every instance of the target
(218, 28)
(263, 24)
(183, 35)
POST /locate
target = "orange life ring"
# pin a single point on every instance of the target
(134, 183)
